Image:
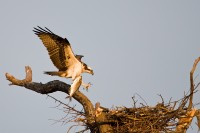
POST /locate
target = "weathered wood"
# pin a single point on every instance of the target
(102, 120)
(192, 82)
(57, 85)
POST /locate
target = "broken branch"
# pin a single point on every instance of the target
(50, 87)
(192, 82)
(15, 81)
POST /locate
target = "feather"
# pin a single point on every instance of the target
(59, 48)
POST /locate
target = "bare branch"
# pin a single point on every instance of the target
(57, 85)
(18, 82)
(51, 87)
(162, 117)
(67, 106)
(192, 82)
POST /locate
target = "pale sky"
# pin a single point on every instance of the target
(144, 47)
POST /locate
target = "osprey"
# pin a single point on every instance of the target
(62, 56)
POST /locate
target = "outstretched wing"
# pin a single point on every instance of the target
(59, 48)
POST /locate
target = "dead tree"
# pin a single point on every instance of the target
(173, 116)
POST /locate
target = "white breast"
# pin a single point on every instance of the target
(76, 70)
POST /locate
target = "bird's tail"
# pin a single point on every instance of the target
(53, 73)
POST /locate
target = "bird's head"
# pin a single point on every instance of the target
(87, 69)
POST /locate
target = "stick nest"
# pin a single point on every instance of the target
(161, 118)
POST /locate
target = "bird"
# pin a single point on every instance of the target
(61, 54)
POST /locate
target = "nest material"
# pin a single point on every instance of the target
(158, 119)
(145, 119)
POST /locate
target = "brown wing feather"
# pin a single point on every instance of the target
(59, 49)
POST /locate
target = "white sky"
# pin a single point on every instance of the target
(145, 47)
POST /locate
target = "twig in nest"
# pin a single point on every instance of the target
(142, 100)
(161, 98)
(185, 121)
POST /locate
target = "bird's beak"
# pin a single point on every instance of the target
(89, 70)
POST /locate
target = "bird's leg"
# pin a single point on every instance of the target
(86, 86)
